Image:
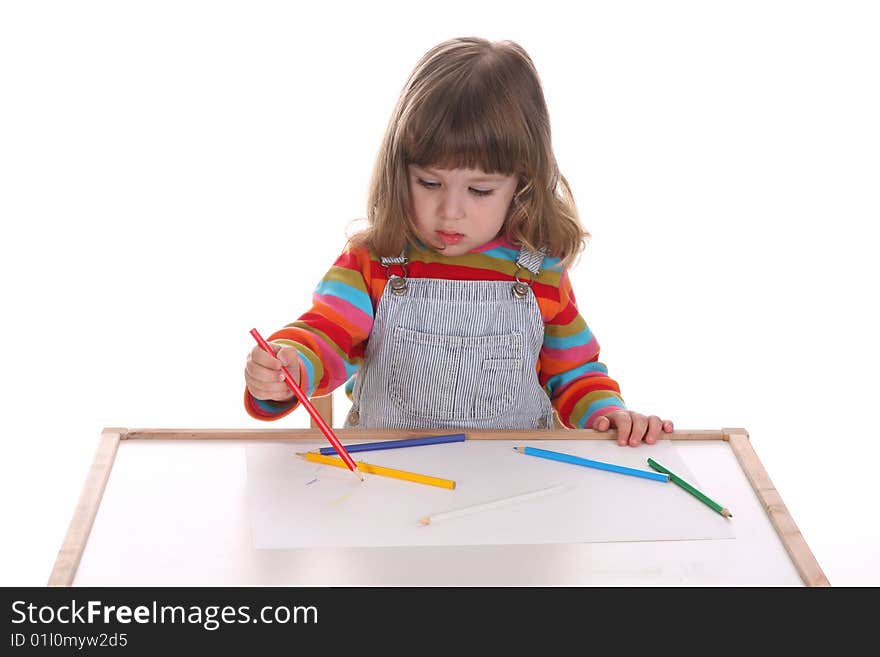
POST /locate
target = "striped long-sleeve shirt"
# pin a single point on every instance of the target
(331, 337)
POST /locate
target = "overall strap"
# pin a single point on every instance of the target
(396, 283)
(530, 260)
(395, 260)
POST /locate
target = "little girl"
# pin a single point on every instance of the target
(453, 308)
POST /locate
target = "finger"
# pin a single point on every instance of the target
(282, 393)
(668, 426)
(263, 359)
(272, 390)
(602, 424)
(261, 374)
(622, 421)
(287, 355)
(639, 427)
(655, 424)
(264, 391)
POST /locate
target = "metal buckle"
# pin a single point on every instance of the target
(397, 283)
(521, 288)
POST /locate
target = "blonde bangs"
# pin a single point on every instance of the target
(459, 125)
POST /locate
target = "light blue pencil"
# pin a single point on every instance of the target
(599, 465)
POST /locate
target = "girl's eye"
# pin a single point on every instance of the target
(473, 190)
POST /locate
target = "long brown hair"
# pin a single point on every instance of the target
(473, 103)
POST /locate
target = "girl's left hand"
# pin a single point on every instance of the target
(632, 427)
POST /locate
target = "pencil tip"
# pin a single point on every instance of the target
(425, 521)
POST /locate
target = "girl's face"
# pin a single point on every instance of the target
(458, 210)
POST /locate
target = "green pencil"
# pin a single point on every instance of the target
(690, 489)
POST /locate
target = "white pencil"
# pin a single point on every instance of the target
(427, 520)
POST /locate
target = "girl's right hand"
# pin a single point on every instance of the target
(263, 375)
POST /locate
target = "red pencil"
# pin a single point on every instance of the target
(323, 426)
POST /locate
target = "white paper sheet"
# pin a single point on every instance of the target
(296, 503)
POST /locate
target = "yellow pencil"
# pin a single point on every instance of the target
(379, 470)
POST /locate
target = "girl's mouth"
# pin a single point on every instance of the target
(449, 239)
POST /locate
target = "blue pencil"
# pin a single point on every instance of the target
(404, 442)
(599, 465)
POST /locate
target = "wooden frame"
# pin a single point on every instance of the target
(77, 535)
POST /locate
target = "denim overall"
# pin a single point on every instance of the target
(453, 354)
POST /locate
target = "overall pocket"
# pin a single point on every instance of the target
(443, 377)
(500, 380)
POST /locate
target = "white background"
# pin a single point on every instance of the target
(173, 174)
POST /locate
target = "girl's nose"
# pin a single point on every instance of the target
(452, 206)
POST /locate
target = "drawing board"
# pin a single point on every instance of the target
(171, 507)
